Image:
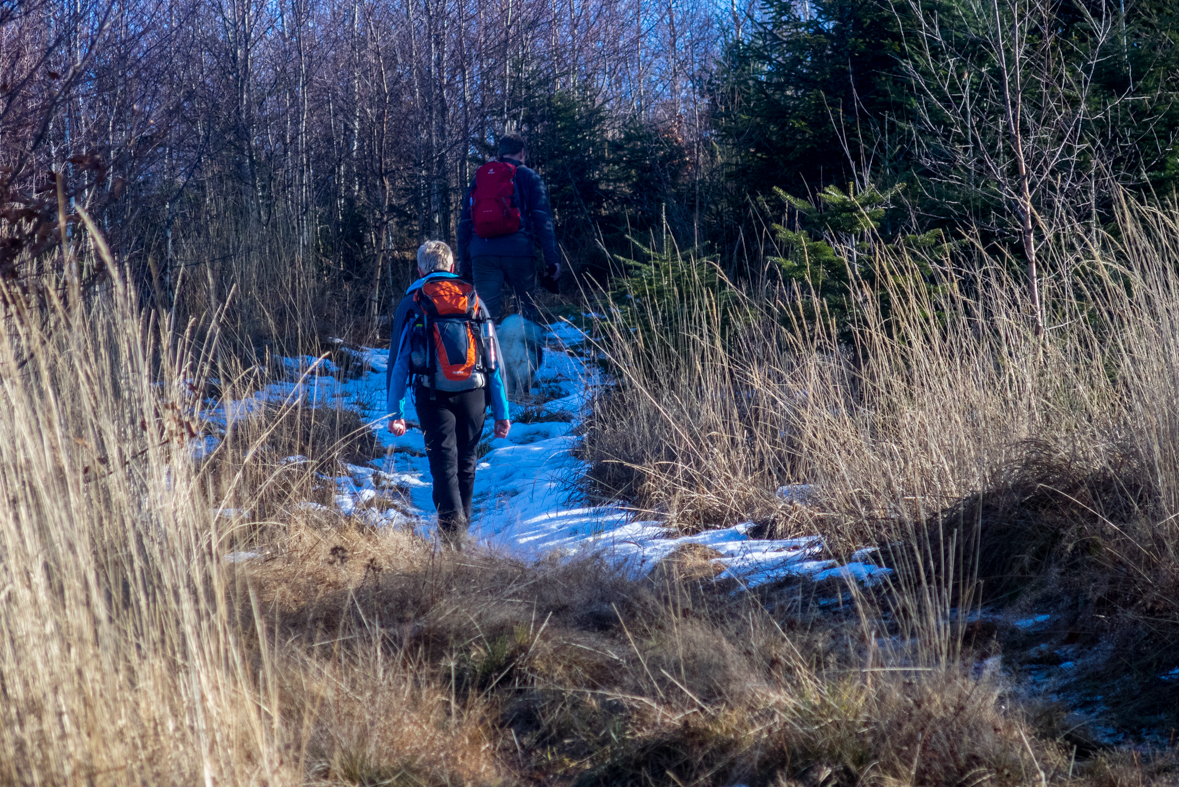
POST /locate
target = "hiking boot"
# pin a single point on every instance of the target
(453, 534)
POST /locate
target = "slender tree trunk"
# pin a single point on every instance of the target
(355, 98)
(1013, 95)
(440, 182)
(507, 62)
(423, 153)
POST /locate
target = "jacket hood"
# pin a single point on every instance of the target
(435, 275)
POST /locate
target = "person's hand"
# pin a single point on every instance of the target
(502, 428)
(552, 272)
(397, 427)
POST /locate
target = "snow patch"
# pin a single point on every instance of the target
(803, 494)
(525, 500)
(201, 448)
(309, 364)
(1028, 623)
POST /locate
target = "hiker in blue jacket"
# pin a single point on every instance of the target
(490, 262)
(451, 393)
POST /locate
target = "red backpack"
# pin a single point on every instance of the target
(495, 211)
(450, 344)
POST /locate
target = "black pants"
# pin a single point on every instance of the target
(491, 273)
(452, 424)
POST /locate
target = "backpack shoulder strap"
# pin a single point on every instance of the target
(525, 210)
(406, 329)
(424, 303)
(472, 302)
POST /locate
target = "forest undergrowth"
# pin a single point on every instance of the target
(921, 321)
(930, 420)
(134, 652)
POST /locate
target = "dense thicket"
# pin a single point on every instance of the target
(834, 91)
(234, 140)
(1006, 125)
(302, 150)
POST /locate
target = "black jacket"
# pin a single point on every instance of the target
(536, 226)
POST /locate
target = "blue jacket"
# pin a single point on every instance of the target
(536, 225)
(397, 377)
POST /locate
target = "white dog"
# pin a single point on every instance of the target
(523, 353)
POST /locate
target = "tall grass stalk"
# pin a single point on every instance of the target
(132, 652)
(928, 398)
(118, 662)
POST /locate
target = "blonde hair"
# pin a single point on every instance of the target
(433, 256)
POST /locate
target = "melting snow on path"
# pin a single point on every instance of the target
(525, 482)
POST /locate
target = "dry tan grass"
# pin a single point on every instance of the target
(933, 401)
(944, 429)
(118, 660)
(571, 671)
(131, 652)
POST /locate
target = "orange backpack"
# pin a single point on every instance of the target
(451, 347)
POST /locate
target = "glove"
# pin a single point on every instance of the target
(549, 281)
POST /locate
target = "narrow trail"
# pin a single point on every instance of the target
(527, 507)
(525, 489)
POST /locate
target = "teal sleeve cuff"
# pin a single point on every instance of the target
(499, 397)
(399, 381)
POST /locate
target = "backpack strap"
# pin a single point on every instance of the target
(482, 343)
(525, 213)
(425, 305)
(421, 309)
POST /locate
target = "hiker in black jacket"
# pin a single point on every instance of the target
(491, 262)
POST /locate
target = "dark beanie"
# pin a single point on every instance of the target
(510, 144)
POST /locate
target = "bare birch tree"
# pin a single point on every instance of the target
(1007, 114)
(232, 127)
